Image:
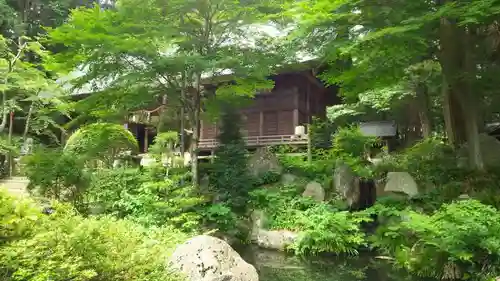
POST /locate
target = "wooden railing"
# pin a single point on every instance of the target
(258, 141)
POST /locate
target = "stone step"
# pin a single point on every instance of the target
(15, 185)
(17, 179)
(14, 180)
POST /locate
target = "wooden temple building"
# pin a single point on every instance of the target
(275, 117)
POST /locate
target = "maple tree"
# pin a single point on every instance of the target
(184, 50)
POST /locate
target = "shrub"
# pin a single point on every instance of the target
(429, 161)
(55, 174)
(321, 133)
(280, 206)
(230, 180)
(164, 142)
(164, 146)
(460, 240)
(348, 145)
(142, 197)
(351, 146)
(316, 170)
(285, 148)
(114, 191)
(269, 177)
(17, 217)
(65, 246)
(350, 142)
(101, 141)
(220, 216)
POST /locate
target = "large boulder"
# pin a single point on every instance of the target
(315, 191)
(263, 161)
(345, 184)
(401, 182)
(206, 258)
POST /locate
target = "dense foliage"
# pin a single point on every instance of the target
(322, 227)
(56, 174)
(101, 141)
(460, 240)
(65, 246)
(429, 66)
(424, 64)
(144, 197)
(230, 179)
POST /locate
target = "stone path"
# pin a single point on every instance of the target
(15, 185)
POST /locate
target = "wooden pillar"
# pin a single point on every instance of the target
(308, 103)
(146, 136)
(201, 129)
(261, 123)
(296, 109)
(309, 145)
(295, 118)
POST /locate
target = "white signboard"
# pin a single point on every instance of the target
(378, 128)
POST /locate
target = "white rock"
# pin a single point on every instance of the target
(464, 197)
(288, 178)
(401, 182)
(274, 239)
(206, 258)
(270, 239)
(315, 191)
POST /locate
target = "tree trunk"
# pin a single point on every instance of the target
(12, 63)
(471, 102)
(473, 140)
(413, 129)
(453, 117)
(458, 66)
(28, 120)
(195, 140)
(9, 141)
(423, 110)
(4, 111)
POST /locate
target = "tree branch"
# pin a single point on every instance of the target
(12, 64)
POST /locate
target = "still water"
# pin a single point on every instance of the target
(275, 266)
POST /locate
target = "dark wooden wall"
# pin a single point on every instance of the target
(293, 101)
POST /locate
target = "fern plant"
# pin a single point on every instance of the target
(460, 240)
(326, 230)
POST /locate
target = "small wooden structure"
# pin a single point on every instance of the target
(272, 117)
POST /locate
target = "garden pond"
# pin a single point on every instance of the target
(276, 266)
